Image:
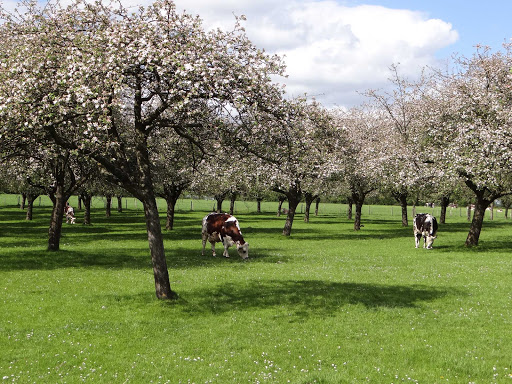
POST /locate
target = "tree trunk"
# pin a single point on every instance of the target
(23, 201)
(232, 203)
(359, 208)
(349, 208)
(477, 222)
(401, 197)
(156, 247)
(86, 198)
(219, 199)
(358, 197)
(258, 204)
(108, 206)
(294, 196)
(119, 203)
(309, 198)
(445, 201)
(171, 209)
(171, 195)
(30, 205)
(55, 230)
(293, 202)
(317, 203)
(468, 212)
(280, 206)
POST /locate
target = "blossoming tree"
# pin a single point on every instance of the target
(470, 128)
(70, 73)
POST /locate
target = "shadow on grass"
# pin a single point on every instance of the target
(307, 297)
(23, 258)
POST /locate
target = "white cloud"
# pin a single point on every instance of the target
(333, 50)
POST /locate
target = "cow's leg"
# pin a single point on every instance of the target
(424, 241)
(417, 238)
(226, 246)
(213, 248)
(204, 243)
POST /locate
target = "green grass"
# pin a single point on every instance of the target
(327, 305)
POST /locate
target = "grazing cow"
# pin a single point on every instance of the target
(222, 227)
(70, 214)
(425, 225)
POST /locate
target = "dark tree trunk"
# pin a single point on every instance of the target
(294, 196)
(401, 197)
(258, 204)
(232, 200)
(292, 208)
(79, 203)
(358, 196)
(477, 222)
(445, 201)
(171, 195)
(108, 206)
(219, 198)
(171, 209)
(30, 205)
(86, 198)
(282, 199)
(55, 230)
(119, 203)
(484, 198)
(468, 212)
(357, 221)
(219, 204)
(349, 208)
(317, 204)
(23, 201)
(156, 247)
(309, 198)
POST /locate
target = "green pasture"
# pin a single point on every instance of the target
(326, 305)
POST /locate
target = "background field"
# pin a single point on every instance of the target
(327, 305)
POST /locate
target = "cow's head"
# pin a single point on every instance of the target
(243, 250)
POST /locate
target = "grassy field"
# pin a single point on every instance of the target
(327, 305)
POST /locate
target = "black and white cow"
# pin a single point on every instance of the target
(222, 227)
(425, 225)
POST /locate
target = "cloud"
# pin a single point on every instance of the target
(332, 50)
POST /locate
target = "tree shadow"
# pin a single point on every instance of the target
(23, 258)
(307, 298)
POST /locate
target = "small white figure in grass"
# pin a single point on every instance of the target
(425, 225)
(70, 214)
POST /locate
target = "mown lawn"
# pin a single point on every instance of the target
(327, 305)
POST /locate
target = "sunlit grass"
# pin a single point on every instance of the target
(328, 305)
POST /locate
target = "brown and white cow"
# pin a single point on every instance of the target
(222, 227)
(425, 225)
